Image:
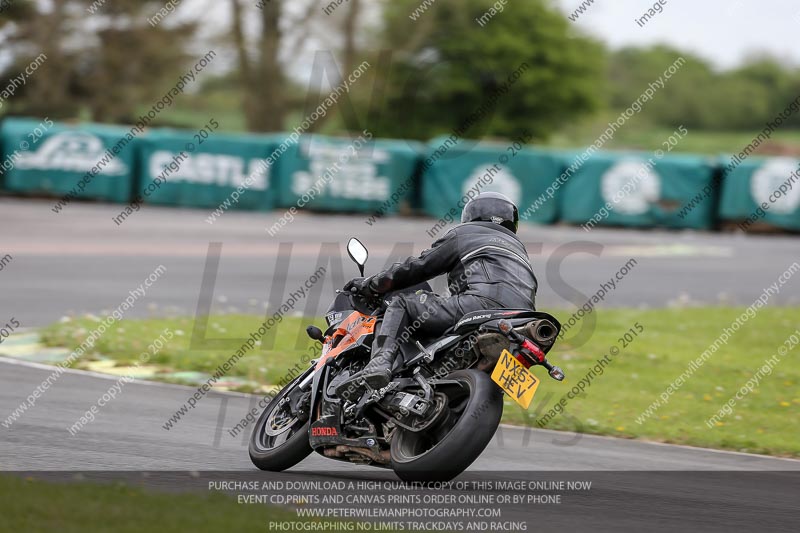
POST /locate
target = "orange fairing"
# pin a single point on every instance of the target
(349, 331)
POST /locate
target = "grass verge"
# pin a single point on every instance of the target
(762, 421)
(280, 349)
(638, 134)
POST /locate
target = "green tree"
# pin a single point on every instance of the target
(736, 102)
(684, 98)
(103, 65)
(29, 33)
(446, 65)
(778, 85)
(697, 96)
(132, 62)
(260, 71)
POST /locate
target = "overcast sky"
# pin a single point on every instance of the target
(722, 31)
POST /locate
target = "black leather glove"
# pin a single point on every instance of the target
(360, 286)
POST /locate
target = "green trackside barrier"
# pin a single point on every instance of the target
(6, 160)
(455, 171)
(761, 192)
(641, 190)
(181, 168)
(39, 158)
(349, 174)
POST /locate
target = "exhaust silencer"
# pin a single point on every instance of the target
(542, 331)
(491, 345)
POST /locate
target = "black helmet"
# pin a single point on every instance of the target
(492, 207)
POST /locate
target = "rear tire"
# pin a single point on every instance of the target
(444, 451)
(279, 441)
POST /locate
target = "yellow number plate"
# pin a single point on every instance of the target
(515, 379)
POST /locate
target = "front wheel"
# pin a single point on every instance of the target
(279, 440)
(440, 453)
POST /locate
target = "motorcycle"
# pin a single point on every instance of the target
(441, 408)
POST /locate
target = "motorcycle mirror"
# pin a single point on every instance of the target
(358, 253)
(315, 333)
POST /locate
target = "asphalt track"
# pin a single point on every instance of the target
(129, 434)
(80, 261)
(694, 489)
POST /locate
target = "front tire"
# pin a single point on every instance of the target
(444, 451)
(279, 440)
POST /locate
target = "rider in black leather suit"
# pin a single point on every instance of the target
(487, 268)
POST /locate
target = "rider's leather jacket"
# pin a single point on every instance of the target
(479, 258)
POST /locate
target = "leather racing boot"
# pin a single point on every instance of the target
(375, 375)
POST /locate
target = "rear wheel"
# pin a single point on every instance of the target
(279, 439)
(443, 451)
